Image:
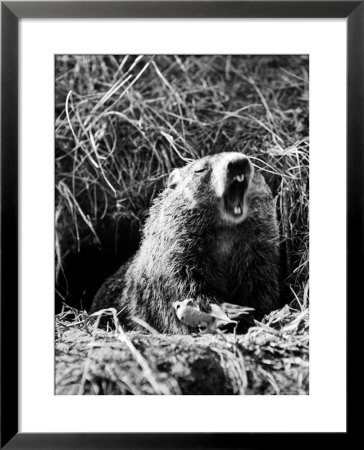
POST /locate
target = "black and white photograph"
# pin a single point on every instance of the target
(181, 224)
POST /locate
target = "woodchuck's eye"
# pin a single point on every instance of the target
(178, 306)
(200, 170)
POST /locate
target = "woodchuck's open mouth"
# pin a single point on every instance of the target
(234, 196)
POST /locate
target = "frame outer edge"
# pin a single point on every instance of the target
(355, 176)
(9, 225)
(183, 9)
(9, 199)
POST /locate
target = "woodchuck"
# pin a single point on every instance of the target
(211, 235)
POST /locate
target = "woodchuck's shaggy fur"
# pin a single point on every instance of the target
(211, 235)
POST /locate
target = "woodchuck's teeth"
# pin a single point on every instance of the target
(239, 178)
(237, 210)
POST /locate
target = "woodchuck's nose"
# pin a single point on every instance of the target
(237, 168)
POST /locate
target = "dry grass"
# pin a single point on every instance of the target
(122, 124)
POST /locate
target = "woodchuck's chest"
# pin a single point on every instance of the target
(223, 254)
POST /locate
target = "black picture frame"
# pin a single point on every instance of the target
(11, 12)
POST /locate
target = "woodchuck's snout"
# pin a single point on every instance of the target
(211, 235)
(234, 174)
(238, 175)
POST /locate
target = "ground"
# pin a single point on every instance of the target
(271, 358)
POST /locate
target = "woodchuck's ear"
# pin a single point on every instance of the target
(174, 178)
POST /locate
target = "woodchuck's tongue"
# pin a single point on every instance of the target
(234, 196)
